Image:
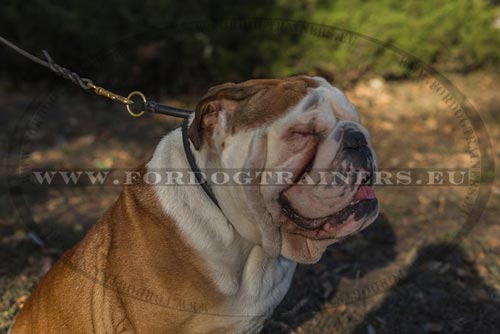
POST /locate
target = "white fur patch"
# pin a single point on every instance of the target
(253, 282)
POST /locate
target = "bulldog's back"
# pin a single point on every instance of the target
(116, 281)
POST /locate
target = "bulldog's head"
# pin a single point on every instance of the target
(315, 160)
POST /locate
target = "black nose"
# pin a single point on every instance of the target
(354, 139)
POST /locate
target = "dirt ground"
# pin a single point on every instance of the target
(418, 269)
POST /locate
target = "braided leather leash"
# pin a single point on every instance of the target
(136, 104)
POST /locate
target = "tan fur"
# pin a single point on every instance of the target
(132, 273)
(255, 102)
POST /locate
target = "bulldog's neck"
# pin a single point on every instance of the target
(253, 282)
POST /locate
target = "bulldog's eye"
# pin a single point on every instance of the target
(304, 134)
(300, 132)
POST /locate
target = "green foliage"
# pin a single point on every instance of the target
(452, 36)
(154, 43)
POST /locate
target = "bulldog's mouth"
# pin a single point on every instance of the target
(363, 202)
(348, 219)
(332, 196)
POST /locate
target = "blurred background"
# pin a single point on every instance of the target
(456, 36)
(419, 269)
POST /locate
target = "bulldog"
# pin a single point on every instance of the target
(218, 258)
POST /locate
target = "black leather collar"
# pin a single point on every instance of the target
(182, 113)
(192, 163)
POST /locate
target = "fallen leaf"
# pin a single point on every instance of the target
(483, 271)
(21, 300)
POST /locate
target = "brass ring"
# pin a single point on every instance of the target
(129, 97)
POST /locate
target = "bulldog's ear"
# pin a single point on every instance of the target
(206, 116)
(225, 97)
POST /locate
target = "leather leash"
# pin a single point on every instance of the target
(136, 104)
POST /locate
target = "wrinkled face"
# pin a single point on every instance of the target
(309, 162)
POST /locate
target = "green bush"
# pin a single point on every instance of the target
(452, 36)
(155, 44)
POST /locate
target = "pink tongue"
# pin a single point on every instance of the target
(365, 192)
